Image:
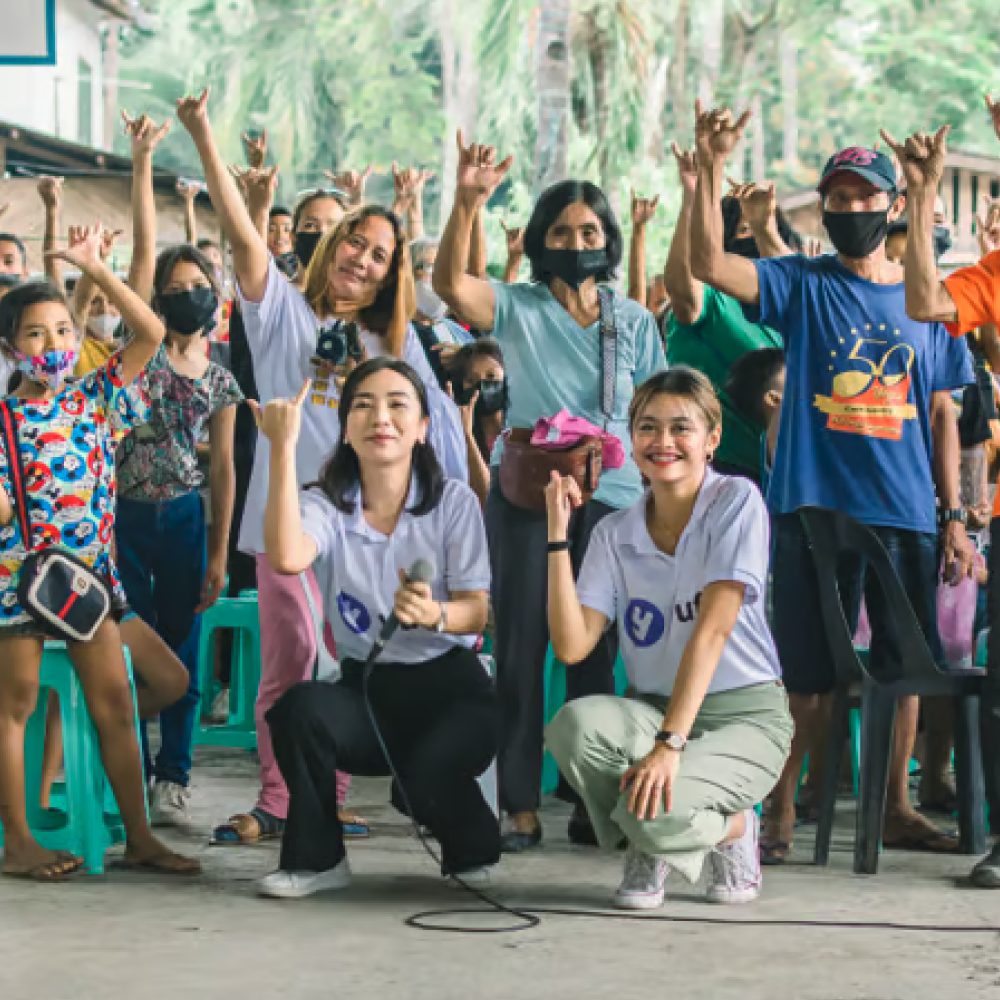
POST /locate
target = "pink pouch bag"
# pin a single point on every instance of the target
(956, 615)
(564, 431)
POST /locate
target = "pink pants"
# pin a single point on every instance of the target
(288, 653)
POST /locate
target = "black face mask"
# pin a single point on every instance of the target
(573, 267)
(942, 241)
(305, 246)
(188, 312)
(745, 246)
(857, 235)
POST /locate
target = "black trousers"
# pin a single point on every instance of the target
(989, 705)
(440, 724)
(519, 563)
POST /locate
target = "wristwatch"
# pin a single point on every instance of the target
(442, 625)
(952, 514)
(673, 740)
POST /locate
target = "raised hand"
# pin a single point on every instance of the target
(84, 248)
(515, 239)
(50, 191)
(192, 112)
(281, 420)
(408, 184)
(687, 168)
(922, 158)
(256, 150)
(351, 182)
(562, 497)
(716, 134)
(758, 204)
(643, 209)
(109, 237)
(988, 227)
(479, 175)
(143, 133)
(993, 107)
(256, 186)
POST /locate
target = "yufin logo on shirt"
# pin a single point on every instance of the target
(354, 613)
(871, 397)
(644, 623)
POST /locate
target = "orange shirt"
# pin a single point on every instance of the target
(976, 293)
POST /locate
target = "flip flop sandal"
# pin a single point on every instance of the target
(248, 828)
(167, 863)
(932, 842)
(775, 852)
(354, 826)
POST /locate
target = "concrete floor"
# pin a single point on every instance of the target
(138, 937)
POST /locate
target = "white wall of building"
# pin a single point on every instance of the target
(48, 98)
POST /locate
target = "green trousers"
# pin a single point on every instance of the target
(735, 754)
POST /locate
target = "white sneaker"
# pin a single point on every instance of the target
(477, 878)
(219, 714)
(168, 805)
(298, 885)
(644, 882)
(736, 875)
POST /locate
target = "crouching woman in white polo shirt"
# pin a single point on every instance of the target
(381, 504)
(702, 734)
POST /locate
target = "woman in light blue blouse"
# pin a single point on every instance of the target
(550, 333)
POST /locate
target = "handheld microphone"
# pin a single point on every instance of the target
(422, 571)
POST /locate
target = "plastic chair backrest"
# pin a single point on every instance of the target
(831, 534)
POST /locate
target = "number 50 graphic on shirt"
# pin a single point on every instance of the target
(872, 402)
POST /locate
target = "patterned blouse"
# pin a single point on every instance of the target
(159, 461)
(67, 447)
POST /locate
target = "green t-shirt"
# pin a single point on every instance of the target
(719, 336)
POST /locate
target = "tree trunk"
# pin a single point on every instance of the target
(789, 59)
(713, 24)
(459, 94)
(552, 83)
(682, 113)
(652, 126)
(112, 115)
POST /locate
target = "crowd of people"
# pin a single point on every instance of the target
(350, 418)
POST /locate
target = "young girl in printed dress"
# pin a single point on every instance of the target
(66, 434)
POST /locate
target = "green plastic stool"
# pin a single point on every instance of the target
(241, 616)
(555, 698)
(89, 822)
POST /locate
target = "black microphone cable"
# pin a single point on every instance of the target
(530, 917)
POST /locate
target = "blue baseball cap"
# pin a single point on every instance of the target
(868, 164)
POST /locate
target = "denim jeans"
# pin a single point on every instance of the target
(162, 557)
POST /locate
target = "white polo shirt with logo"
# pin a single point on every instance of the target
(357, 568)
(282, 332)
(654, 597)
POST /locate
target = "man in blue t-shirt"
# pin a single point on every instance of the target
(867, 427)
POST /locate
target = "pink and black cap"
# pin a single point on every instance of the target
(869, 164)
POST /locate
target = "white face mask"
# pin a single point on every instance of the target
(103, 327)
(429, 303)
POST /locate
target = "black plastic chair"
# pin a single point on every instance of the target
(831, 534)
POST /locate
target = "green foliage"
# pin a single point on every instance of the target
(342, 83)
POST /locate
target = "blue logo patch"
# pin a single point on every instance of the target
(355, 614)
(644, 623)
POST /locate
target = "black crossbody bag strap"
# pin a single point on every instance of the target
(15, 470)
(609, 353)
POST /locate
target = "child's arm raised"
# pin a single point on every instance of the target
(84, 251)
(144, 136)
